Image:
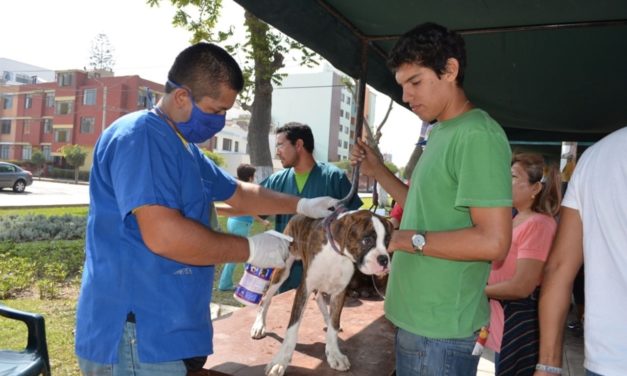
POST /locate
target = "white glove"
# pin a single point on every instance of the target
(318, 207)
(267, 251)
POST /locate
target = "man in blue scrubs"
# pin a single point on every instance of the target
(150, 252)
(304, 177)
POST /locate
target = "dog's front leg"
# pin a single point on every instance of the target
(258, 330)
(335, 358)
(282, 359)
(322, 305)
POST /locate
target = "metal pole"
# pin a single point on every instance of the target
(104, 108)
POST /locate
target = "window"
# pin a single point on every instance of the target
(345, 145)
(143, 99)
(226, 144)
(45, 149)
(27, 152)
(28, 101)
(5, 127)
(49, 100)
(23, 78)
(63, 108)
(88, 124)
(213, 143)
(26, 127)
(236, 149)
(89, 97)
(4, 151)
(341, 113)
(46, 124)
(341, 128)
(61, 135)
(339, 143)
(7, 102)
(64, 79)
(348, 99)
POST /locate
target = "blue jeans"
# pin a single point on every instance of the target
(418, 355)
(128, 361)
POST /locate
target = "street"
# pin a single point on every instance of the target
(46, 193)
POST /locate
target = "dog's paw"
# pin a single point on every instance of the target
(258, 330)
(275, 369)
(338, 361)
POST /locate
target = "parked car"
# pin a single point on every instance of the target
(12, 176)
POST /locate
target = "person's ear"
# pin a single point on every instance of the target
(451, 70)
(299, 144)
(180, 97)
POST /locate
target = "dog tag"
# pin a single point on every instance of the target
(280, 235)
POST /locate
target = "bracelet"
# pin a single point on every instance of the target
(549, 369)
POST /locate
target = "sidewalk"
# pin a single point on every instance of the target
(572, 359)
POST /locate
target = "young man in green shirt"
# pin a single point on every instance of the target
(457, 211)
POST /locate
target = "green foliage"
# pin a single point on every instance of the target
(37, 158)
(343, 165)
(46, 211)
(392, 167)
(16, 274)
(74, 155)
(49, 264)
(215, 157)
(27, 228)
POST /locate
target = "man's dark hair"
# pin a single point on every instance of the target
(429, 45)
(245, 171)
(203, 67)
(294, 131)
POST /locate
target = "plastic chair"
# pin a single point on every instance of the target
(33, 360)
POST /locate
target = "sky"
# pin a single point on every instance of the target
(57, 34)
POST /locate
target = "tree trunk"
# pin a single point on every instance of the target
(75, 175)
(267, 62)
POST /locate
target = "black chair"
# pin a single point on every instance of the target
(33, 360)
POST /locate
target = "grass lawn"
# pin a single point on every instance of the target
(60, 313)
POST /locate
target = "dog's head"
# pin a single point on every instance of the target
(363, 237)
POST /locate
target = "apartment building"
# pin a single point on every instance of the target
(322, 101)
(73, 109)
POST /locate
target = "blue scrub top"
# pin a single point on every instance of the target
(139, 160)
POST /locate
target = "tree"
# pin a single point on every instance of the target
(75, 157)
(101, 54)
(215, 157)
(38, 159)
(264, 51)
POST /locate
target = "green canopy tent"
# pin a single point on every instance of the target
(547, 70)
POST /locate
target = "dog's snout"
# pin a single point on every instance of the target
(383, 260)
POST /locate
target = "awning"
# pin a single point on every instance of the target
(547, 70)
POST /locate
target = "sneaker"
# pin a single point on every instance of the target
(574, 325)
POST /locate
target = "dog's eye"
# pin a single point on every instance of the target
(368, 242)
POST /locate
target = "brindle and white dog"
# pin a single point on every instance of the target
(361, 240)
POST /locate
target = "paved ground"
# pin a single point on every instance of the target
(46, 193)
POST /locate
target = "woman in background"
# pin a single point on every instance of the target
(514, 282)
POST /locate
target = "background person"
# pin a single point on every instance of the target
(144, 301)
(241, 226)
(592, 231)
(457, 210)
(513, 285)
(303, 176)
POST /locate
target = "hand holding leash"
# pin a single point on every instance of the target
(268, 250)
(318, 207)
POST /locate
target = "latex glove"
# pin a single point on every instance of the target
(318, 207)
(267, 251)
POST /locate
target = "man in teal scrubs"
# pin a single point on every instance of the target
(304, 177)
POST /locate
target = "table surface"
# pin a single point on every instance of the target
(366, 337)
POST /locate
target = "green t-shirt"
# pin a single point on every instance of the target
(301, 179)
(466, 164)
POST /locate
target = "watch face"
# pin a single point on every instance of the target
(418, 241)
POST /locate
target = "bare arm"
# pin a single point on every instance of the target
(254, 199)
(526, 277)
(564, 261)
(488, 239)
(168, 233)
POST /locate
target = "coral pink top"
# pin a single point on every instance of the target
(531, 239)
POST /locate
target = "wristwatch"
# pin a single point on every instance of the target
(418, 241)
